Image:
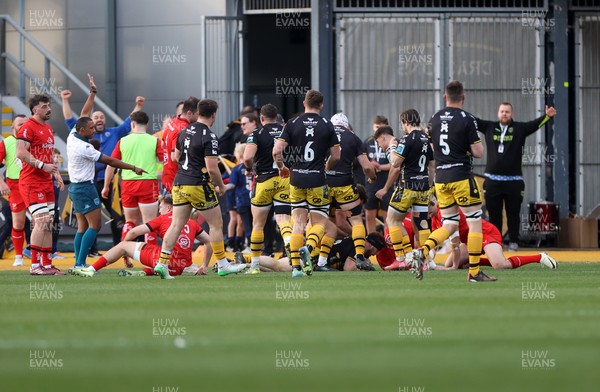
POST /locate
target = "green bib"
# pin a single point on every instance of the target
(13, 168)
(139, 149)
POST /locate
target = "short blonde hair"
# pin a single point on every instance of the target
(239, 149)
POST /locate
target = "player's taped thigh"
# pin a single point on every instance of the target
(450, 218)
(300, 205)
(42, 218)
(356, 210)
(421, 220)
(474, 216)
(153, 204)
(280, 208)
(321, 210)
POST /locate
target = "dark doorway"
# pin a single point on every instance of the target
(277, 51)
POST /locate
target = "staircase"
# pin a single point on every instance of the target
(7, 115)
(10, 107)
(51, 67)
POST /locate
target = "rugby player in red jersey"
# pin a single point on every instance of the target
(148, 254)
(35, 146)
(189, 114)
(492, 249)
(8, 154)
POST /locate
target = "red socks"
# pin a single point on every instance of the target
(519, 261)
(46, 255)
(100, 263)
(126, 228)
(515, 261)
(18, 239)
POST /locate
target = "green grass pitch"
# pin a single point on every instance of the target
(533, 330)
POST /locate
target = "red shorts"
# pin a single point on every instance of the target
(135, 192)
(490, 234)
(38, 193)
(15, 199)
(149, 256)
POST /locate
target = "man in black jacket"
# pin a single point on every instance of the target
(233, 134)
(504, 186)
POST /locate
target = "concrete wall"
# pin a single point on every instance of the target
(157, 50)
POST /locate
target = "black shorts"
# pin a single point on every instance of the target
(373, 203)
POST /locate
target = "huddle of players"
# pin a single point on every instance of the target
(319, 177)
(301, 169)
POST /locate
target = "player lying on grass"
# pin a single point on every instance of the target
(492, 248)
(342, 256)
(147, 254)
(459, 257)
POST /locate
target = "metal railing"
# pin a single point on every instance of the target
(49, 61)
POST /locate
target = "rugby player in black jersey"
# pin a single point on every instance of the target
(342, 190)
(309, 139)
(455, 141)
(380, 191)
(197, 152)
(413, 154)
(269, 188)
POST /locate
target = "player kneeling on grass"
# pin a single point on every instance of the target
(342, 256)
(147, 254)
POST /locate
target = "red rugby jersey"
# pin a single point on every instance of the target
(169, 138)
(41, 146)
(185, 243)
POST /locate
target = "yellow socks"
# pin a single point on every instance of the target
(358, 237)
(474, 243)
(296, 242)
(396, 238)
(314, 235)
(436, 238)
(256, 243)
